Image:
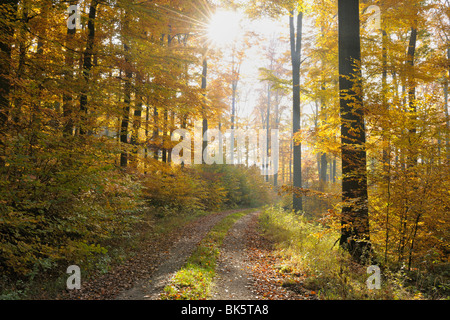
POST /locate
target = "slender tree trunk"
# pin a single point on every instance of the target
(355, 235)
(334, 169)
(164, 135)
(221, 144)
(171, 129)
(413, 240)
(155, 133)
(323, 170)
(386, 139)
(147, 131)
(8, 11)
(137, 121)
(323, 156)
(447, 116)
(296, 54)
(68, 77)
(277, 127)
(125, 120)
(235, 77)
(269, 100)
(124, 157)
(23, 48)
(413, 157)
(87, 66)
(205, 120)
(385, 107)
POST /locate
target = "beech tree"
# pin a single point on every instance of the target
(293, 10)
(355, 235)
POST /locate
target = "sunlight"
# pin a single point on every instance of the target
(224, 27)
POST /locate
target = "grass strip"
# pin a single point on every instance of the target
(194, 280)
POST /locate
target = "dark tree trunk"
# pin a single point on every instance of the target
(125, 120)
(164, 136)
(296, 54)
(447, 116)
(8, 11)
(127, 99)
(87, 65)
(137, 120)
(412, 161)
(355, 235)
(68, 76)
(155, 133)
(385, 106)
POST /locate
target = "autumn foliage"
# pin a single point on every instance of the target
(87, 114)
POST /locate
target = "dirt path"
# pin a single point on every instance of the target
(245, 269)
(173, 260)
(233, 281)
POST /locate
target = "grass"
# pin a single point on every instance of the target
(195, 279)
(311, 250)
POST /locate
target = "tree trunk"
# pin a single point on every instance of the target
(87, 65)
(205, 120)
(164, 135)
(413, 240)
(355, 235)
(8, 12)
(171, 129)
(147, 119)
(137, 121)
(323, 171)
(296, 54)
(447, 116)
(155, 133)
(127, 99)
(269, 99)
(68, 77)
(385, 109)
(413, 157)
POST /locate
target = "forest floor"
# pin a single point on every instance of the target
(247, 268)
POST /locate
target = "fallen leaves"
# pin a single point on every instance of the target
(124, 276)
(270, 281)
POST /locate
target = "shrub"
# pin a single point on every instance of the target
(209, 188)
(57, 202)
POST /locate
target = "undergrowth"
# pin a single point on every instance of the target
(312, 250)
(103, 223)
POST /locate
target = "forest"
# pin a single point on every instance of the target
(318, 131)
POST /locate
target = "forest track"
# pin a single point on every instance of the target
(174, 259)
(245, 267)
(233, 279)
